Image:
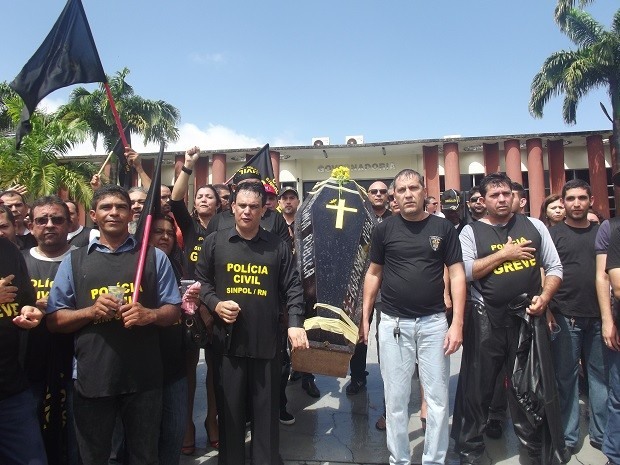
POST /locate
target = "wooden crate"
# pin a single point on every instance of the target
(322, 359)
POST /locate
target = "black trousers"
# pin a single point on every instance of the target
(486, 352)
(240, 380)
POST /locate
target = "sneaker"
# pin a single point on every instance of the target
(494, 429)
(310, 387)
(355, 386)
(286, 418)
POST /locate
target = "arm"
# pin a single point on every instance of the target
(133, 159)
(372, 284)
(552, 267)
(447, 299)
(180, 186)
(67, 320)
(608, 330)
(29, 317)
(454, 337)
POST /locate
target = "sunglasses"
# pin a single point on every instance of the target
(377, 191)
(44, 220)
(474, 199)
(391, 198)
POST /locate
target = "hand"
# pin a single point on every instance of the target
(134, 314)
(453, 339)
(42, 303)
(95, 182)
(538, 306)
(447, 301)
(19, 188)
(105, 307)
(611, 338)
(550, 320)
(192, 295)
(228, 310)
(8, 292)
(133, 158)
(191, 155)
(298, 338)
(520, 251)
(29, 318)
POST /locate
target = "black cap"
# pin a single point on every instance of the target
(289, 189)
(450, 200)
(247, 172)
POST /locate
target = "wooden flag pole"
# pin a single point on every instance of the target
(105, 163)
(117, 118)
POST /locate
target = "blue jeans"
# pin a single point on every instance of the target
(611, 440)
(173, 421)
(20, 435)
(420, 339)
(584, 335)
(95, 419)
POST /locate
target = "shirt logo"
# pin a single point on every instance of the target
(435, 242)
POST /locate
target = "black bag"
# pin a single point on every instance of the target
(195, 333)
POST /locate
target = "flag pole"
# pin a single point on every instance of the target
(105, 163)
(117, 118)
(149, 206)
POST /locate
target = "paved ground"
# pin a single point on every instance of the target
(338, 429)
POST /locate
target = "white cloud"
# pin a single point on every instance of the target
(207, 58)
(51, 104)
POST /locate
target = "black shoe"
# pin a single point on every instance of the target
(596, 445)
(311, 388)
(355, 386)
(295, 376)
(286, 418)
(494, 429)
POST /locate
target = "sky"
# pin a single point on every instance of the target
(246, 73)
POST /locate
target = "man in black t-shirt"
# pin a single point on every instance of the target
(577, 314)
(246, 274)
(611, 440)
(407, 258)
(20, 441)
(503, 254)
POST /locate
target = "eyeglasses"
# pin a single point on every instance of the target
(44, 220)
(475, 199)
(377, 191)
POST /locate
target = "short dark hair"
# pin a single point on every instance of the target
(409, 173)
(428, 199)
(253, 187)
(576, 184)
(109, 190)
(494, 180)
(51, 200)
(472, 191)
(518, 188)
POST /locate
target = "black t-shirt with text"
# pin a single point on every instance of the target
(413, 255)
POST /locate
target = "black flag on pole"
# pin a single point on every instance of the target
(152, 204)
(261, 162)
(67, 56)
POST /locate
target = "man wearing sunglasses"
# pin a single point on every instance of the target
(377, 194)
(50, 226)
(477, 209)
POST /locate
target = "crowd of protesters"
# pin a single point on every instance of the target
(91, 376)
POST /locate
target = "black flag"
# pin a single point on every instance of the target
(123, 170)
(152, 204)
(262, 162)
(67, 56)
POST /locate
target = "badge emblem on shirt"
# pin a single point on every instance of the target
(435, 242)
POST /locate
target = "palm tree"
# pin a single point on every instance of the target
(155, 120)
(595, 63)
(39, 164)
(564, 6)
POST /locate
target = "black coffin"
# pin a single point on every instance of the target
(332, 240)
